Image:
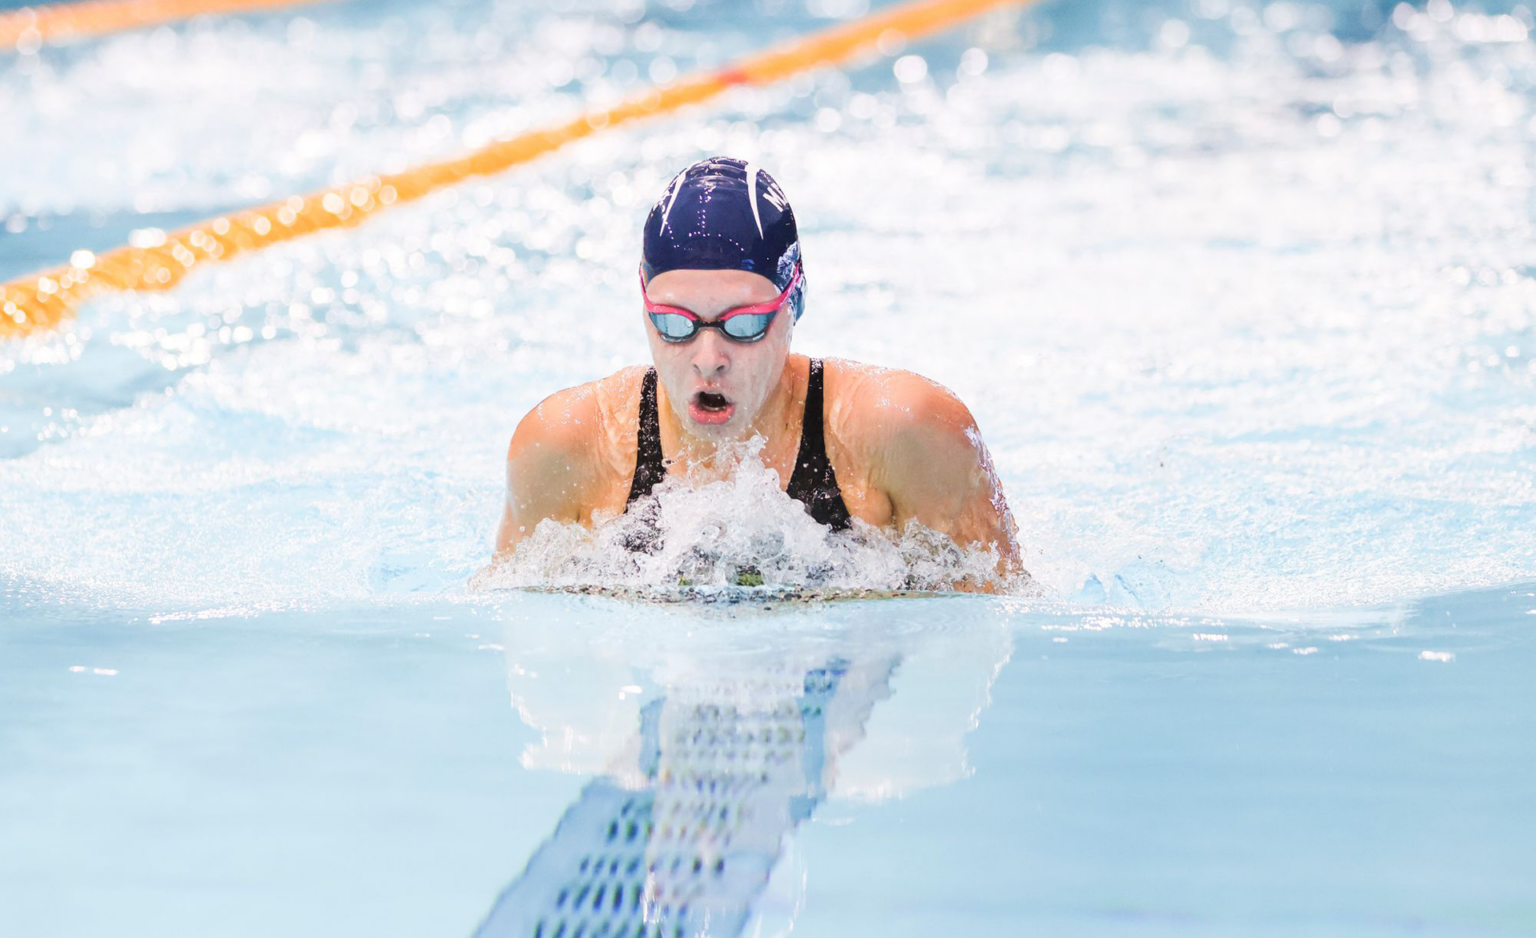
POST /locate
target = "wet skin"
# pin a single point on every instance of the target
(903, 447)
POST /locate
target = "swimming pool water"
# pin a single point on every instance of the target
(1004, 770)
(1241, 296)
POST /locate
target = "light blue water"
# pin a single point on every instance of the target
(357, 769)
(1241, 296)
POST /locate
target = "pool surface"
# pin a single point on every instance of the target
(1242, 296)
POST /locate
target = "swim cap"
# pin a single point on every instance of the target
(725, 214)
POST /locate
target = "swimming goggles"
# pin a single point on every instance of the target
(741, 324)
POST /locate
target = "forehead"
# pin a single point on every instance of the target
(709, 290)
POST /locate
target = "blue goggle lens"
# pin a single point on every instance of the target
(743, 327)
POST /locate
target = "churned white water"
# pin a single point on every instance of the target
(740, 530)
(1244, 303)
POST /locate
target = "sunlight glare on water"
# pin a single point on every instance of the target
(1242, 304)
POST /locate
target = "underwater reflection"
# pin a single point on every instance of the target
(711, 746)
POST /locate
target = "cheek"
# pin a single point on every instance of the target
(777, 346)
(672, 369)
(664, 354)
(782, 331)
(767, 363)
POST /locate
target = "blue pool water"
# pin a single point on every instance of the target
(1244, 301)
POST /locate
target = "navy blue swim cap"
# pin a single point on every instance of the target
(725, 214)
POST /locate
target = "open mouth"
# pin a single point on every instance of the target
(710, 407)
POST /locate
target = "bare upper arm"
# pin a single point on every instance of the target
(552, 464)
(931, 463)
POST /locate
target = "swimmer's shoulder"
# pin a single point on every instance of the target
(872, 408)
(918, 446)
(586, 431)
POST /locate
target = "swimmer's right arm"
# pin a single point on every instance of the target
(549, 469)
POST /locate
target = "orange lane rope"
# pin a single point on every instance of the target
(30, 27)
(41, 301)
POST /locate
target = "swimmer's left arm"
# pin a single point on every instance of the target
(935, 469)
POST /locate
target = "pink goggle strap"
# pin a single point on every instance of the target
(758, 309)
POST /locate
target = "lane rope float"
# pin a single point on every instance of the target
(42, 301)
(28, 28)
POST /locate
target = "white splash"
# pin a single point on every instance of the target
(740, 530)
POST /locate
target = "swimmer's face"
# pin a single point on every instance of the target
(717, 386)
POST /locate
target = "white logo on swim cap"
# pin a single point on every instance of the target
(775, 196)
(671, 199)
(752, 172)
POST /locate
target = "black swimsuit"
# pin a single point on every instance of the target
(813, 481)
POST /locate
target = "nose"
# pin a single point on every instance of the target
(711, 354)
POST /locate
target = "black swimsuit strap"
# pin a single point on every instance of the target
(649, 468)
(813, 482)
